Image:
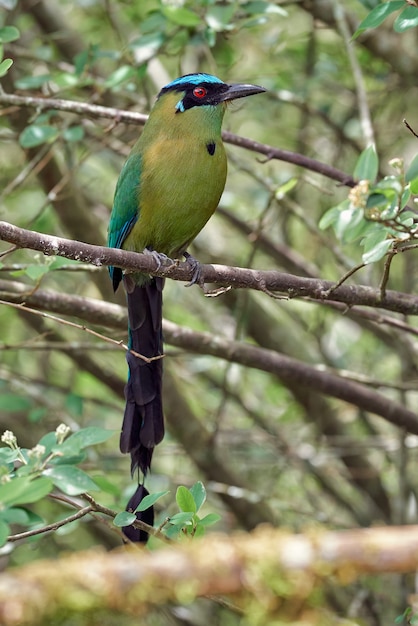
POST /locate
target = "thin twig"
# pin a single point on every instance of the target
(131, 117)
(365, 117)
(60, 320)
(410, 128)
(51, 527)
(345, 277)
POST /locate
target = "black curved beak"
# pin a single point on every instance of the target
(240, 90)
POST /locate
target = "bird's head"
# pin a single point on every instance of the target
(197, 90)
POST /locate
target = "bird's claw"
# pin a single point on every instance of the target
(159, 257)
(197, 270)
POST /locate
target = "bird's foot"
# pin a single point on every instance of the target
(159, 257)
(197, 270)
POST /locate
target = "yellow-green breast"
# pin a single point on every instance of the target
(183, 174)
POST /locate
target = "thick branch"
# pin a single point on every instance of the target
(289, 370)
(236, 277)
(131, 117)
(132, 581)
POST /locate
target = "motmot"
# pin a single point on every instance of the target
(167, 190)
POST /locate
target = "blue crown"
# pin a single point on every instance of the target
(194, 79)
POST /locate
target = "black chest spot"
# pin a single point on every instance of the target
(211, 147)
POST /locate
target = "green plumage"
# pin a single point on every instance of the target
(167, 190)
(179, 183)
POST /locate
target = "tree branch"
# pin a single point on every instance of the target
(288, 369)
(238, 278)
(248, 566)
(131, 117)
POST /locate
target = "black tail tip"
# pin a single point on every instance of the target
(135, 534)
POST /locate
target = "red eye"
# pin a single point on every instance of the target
(199, 92)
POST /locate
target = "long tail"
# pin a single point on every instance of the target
(143, 422)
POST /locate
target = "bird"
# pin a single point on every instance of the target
(168, 188)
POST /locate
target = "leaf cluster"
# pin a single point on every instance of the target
(376, 212)
(29, 475)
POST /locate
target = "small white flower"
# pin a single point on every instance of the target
(9, 438)
(61, 432)
(358, 195)
(37, 452)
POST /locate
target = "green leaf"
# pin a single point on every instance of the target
(74, 133)
(377, 252)
(122, 74)
(407, 19)
(74, 404)
(348, 222)
(4, 532)
(36, 135)
(106, 485)
(66, 79)
(407, 218)
(58, 262)
(198, 492)
(367, 165)
(15, 515)
(32, 82)
(332, 215)
(413, 185)
(390, 184)
(12, 403)
(378, 15)
(412, 171)
(199, 530)
(80, 61)
(90, 436)
(210, 519)
(285, 188)
(172, 531)
(180, 16)
(181, 519)
(124, 519)
(5, 66)
(218, 18)
(146, 47)
(48, 441)
(39, 488)
(23, 490)
(376, 200)
(257, 7)
(36, 414)
(12, 490)
(185, 500)
(71, 480)
(35, 272)
(33, 518)
(7, 455)
(9, 33)
(406, 194)
(375, 236)
(150, 500)
(351, 227)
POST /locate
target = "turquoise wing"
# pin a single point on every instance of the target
(125, 209)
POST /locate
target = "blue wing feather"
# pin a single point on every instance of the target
(125, 209)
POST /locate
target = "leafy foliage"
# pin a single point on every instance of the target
(269, 448)
(29, 475)
(407, 18)
(376, 213)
